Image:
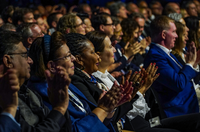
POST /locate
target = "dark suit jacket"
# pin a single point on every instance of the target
(8, 125)
(92, 93)
(174, 86)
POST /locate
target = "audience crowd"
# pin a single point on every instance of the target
(124, 67)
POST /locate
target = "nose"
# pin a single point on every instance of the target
(73, 58)
(97, 56)
(30, 61)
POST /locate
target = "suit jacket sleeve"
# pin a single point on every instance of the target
(8, 125)
(173, 79)
(54, 122)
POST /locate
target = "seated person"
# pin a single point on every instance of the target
(174, 86)
(9, 101)
(32, 115)
(56, 53)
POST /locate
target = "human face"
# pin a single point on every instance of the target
(107, 56)
(122, 12)
(133, 8)
(108, 28)
(65, 59)
(87, 10)
(184, 37)
(29, 17)
(175, 7)
(88, 27)
(118, 32)
(42, 25)
(141, 23)
(170, 36)
(192, 10)
(37, 32)
(135, 34)
(80, 26)
(21, 62)
(183, 22)
(157, 9)
(89, 58)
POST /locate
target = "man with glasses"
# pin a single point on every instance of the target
(103, 22)
(32, 115)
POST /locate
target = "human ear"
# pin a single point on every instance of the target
(51, 66)
(163, 34)
(7, 61)
(79, 60)
(101, 27)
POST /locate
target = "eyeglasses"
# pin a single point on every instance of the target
(25, 55)
(67, 57)
(79, 24)
(111, 24)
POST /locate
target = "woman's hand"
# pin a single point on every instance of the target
(58, 89)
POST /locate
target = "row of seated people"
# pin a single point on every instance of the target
(64, 68)
(74, 75)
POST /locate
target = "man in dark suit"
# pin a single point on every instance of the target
(174, 86)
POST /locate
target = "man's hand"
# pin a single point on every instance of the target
(9, 86)
(58, 89)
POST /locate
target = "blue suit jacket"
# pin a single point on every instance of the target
(82, 122)
(174, 85)
(8, 125)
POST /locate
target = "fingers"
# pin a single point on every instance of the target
(133, 76)
(128, 75)
(126, 46)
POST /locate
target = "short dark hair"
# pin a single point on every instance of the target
(76, 43)
(97, 38)
(99, 19)
(159, 24)
(8, 42)
(115, 7)
(52, 17)
(7, 13)
(115, 20)
(7, 27)
(136, 15)
(18, 15)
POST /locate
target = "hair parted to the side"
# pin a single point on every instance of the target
(97, 38)
(159, 24)
(8, 42)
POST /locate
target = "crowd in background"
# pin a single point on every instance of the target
(82, 67)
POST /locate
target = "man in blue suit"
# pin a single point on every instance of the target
(174, 86)
(9, 87)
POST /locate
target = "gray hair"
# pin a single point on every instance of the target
(25, 30)
(175, 16)
(114, 8)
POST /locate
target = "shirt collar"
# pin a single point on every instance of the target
(166, 50)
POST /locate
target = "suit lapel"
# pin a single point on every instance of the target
(153, 46)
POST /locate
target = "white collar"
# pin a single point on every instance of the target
(166, 50)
